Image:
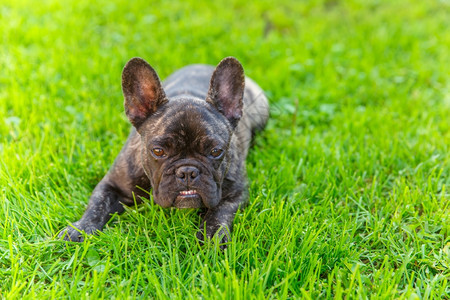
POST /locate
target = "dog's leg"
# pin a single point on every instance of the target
(125, 178)
(105, 201)
(218, 221)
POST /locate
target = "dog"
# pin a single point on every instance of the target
(188, 144)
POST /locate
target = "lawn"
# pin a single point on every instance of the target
(349, 183)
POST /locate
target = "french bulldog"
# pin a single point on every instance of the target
(188, 144)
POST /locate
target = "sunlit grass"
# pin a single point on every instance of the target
(348, 184)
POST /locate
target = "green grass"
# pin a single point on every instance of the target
(348, 184)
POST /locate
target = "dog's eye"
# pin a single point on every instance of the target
(158, 152)
(216, 153)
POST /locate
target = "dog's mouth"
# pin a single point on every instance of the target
(188, 199)
(189, 193)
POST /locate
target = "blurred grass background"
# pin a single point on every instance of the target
(348, 184)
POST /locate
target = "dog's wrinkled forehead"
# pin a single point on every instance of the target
(188, 121)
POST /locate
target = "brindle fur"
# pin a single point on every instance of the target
(176, 116)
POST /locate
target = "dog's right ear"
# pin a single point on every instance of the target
(142, 91)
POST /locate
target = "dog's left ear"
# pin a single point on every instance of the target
(226, 89)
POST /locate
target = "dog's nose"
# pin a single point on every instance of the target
(187, 173)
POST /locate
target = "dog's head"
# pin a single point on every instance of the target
(185, 141)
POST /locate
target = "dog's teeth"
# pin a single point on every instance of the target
(190, 192)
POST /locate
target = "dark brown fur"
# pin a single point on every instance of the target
(198, 111)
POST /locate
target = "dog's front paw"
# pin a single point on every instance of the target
(74, 233)
(219, 233)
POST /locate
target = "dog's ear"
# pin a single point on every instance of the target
(142, 91)
(226, 89)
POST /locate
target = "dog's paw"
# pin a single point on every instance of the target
(220, 234)
(75, 232)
